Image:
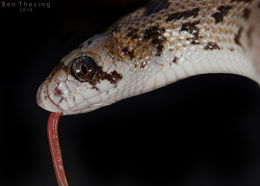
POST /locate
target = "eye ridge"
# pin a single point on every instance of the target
(84, 68)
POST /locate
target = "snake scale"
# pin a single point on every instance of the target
(158, 44)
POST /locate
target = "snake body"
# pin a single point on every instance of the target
(156, 45)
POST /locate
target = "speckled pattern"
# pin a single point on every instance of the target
(158, 44)
(213, 24)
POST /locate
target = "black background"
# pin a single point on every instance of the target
(199, 131)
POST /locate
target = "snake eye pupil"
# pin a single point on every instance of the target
(84, 68)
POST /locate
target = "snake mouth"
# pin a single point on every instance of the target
(53, 92)
(43, 99)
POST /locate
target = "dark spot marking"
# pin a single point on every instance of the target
(246, 1)
(155, 7)
(212, 46)
(258, 6)
(192, 29)
(89, 42)
(132, 33)
(246, 13)
(185, 14)
(126, 51)
(222, 11)
(113, 77)
(231, 49)
(237, 36)
(143, 64)
(135, 36)
(175, 60)
(157, 39)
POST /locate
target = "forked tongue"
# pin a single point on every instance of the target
(53, 137)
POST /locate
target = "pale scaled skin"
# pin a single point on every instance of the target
(161, 43)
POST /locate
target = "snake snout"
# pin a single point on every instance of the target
(53, 90)
(44, 100)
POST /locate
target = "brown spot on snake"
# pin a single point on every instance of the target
(212, 46)
(175, 60)
(155, 34)
(132, 33)
(237, 36)
(126, 51)
(112, 77)
(222, 11)
(184, 14)
(192, 29)
(246, 13)
(231, 49)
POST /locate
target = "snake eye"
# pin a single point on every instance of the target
(84, 68)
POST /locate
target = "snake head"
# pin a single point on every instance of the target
(86, 79)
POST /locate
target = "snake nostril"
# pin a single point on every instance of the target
(57, 91)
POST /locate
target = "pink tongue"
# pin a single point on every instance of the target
(53, 137)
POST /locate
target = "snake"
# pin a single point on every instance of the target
(156, 45)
